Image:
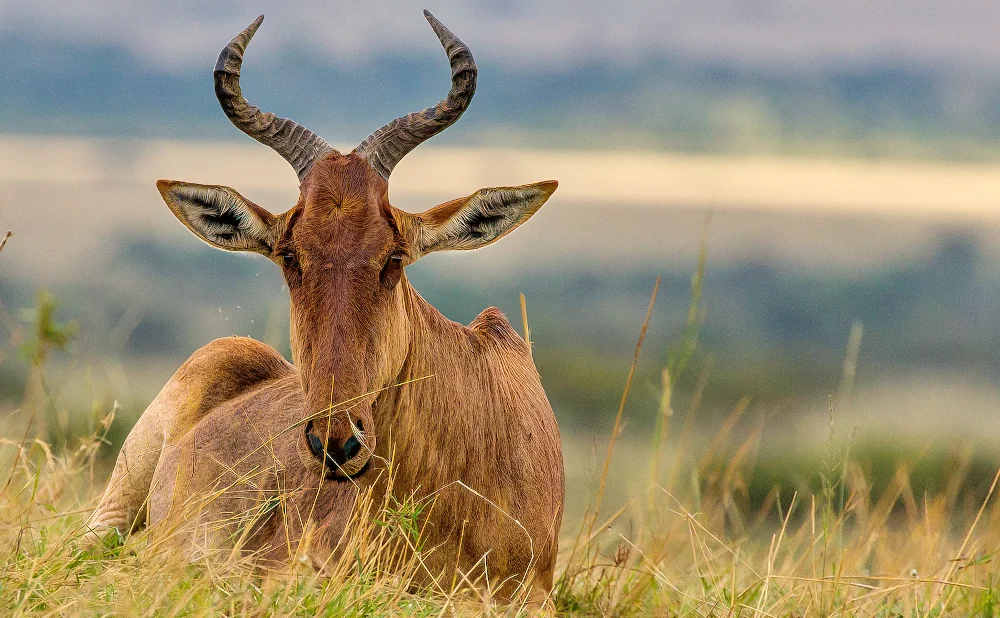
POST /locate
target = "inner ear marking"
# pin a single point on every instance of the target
(488, 215)
(220, 216)
(483, 225)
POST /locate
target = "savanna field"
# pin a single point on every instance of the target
(716, 527)
(764, 307)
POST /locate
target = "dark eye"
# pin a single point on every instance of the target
(288, 258)
(392, 270)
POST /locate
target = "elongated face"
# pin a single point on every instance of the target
(343, 250)
(342, 254)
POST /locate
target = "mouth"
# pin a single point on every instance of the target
(331, 475)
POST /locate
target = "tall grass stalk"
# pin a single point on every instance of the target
(677, 363)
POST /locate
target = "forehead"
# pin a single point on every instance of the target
(343, 194)
(340, 181)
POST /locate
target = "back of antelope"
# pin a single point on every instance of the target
(377, 370)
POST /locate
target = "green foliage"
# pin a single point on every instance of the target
(680, 355)
(48, 333)
(988, 603)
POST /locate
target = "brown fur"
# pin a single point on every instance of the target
(461, 407)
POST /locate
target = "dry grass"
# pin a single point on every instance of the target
(694, 550)
(689, 546)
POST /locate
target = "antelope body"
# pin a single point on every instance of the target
(378, 372)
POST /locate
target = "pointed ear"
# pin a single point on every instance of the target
(483, 217)
(220, 216)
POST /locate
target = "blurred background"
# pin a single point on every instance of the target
(837, 162)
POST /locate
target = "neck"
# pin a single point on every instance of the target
(438, 360)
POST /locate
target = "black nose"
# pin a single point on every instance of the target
(336, 453)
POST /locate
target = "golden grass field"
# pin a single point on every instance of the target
(685, 545)
(77, 196)
(644, 178)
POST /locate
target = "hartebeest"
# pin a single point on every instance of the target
(477, 433)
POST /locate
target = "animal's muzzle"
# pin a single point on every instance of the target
(342, 459)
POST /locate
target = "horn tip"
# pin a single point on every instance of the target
(252, 28)
(444, 35)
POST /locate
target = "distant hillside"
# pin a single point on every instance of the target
(662, 102)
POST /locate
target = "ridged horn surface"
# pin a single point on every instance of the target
(297, 144)
(387, 146)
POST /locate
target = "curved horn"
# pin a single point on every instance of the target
(384, 148)
(298, 145)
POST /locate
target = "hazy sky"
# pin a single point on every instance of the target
(181, 35)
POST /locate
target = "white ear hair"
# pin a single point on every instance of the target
(220, 216)
(482, 218)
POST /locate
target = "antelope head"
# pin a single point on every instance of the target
(343, 248)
